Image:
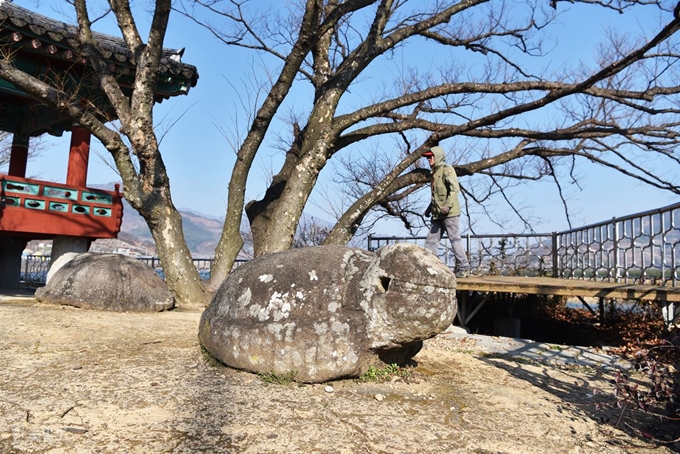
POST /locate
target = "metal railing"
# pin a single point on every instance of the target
(202, 265)
(34, 268)
(641, 248)
(509, 254)
(638, 248)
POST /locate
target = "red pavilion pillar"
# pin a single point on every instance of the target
(76, 175)
(79, 156)
(18, 158)
(11, 247)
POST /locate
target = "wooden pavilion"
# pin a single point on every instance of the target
(70, 213)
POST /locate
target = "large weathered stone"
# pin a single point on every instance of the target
(329, 312)
(110, 282)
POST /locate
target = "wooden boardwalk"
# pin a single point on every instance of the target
(568, 287)
(474, 291)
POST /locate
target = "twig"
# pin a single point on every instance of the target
(650, 436)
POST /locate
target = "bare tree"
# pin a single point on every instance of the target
(5, 148)
(310, 232)
(134, 146)
(529, 125)
(491, 88)
(35, 148)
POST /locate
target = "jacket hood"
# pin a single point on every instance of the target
(439, 155)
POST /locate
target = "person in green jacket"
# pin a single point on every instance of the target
(445, 209)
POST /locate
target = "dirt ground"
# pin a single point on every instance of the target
(79, 381)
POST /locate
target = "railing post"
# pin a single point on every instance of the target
(468, 246)
(616, 250)
(368, 245)
(555, 258)
(663, 250)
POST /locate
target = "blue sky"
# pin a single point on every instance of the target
(199, 157)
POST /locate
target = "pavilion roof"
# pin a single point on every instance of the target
(42, 44)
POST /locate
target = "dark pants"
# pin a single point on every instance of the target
(452, 227)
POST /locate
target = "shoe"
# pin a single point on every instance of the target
(462, 273)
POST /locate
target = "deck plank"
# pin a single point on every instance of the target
(569, 287)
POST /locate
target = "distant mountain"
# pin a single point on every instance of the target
(201, 233)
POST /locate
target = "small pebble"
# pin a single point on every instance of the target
(379, 397)
(329, 389)
(75, 430)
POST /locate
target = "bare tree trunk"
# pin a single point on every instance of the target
(148, 192)
(181, 275)
(275, 218)
(231, 241)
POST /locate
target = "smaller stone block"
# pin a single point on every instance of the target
(109, 282)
